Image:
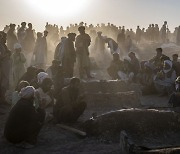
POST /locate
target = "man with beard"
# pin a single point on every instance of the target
(70, 104)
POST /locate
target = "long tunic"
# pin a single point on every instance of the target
(82, 43)
(40, 51)
(18, 68)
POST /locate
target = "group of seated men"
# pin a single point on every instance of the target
(156, 75)
(36, 91)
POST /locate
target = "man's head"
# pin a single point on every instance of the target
(27, 93)
(175, 57)
(3, 37)
(159, 52)
(132, 55)
(23, 24)
(75, 83)
(12, 26)
(46, 85)
(30, 25)
(45, 33)
(31, 70)
(167, 65)
(17, 47)
(81, 29)
(39, 35)
(115, 56)
(99, 34)
(72, 37)
(22, 84)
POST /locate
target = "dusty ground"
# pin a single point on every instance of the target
(53, 139)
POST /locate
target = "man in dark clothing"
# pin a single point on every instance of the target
(11, 37)
(175, 97)
(82, 44)
(69, 55)
(134, 63)
(176, 64)
(29, 75)
(121, 39)
(156, 61)
(4, 66)
(24, 121)
(115, 67)
(70, 104)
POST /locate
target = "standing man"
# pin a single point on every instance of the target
(99, 43)
(4, 66)
(11, 37)
(18, 61)
(82, 43)
(69, 55)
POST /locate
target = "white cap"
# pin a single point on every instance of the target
(41, 76)
(27, 92)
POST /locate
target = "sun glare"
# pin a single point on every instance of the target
(59, 8)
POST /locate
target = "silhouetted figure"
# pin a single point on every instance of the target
(11, 37)
(69, 57)
(99, 43)
(70, 104)
(4, 66)
(29, 40)
(18, 61)
(52, 70)
(138, 34)
(22, 34)
(82, 43)
(176, 64)
(115, 66)
(24, 121)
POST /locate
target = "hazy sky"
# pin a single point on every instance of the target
(121, 12)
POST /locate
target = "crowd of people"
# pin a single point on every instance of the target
(25, 70)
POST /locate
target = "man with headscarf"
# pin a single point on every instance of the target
(18, 61)
(164, 80)
(69, 57)
(70, 105)
(82, 43)
(24, 121)
(5, 54)
(44, 95)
